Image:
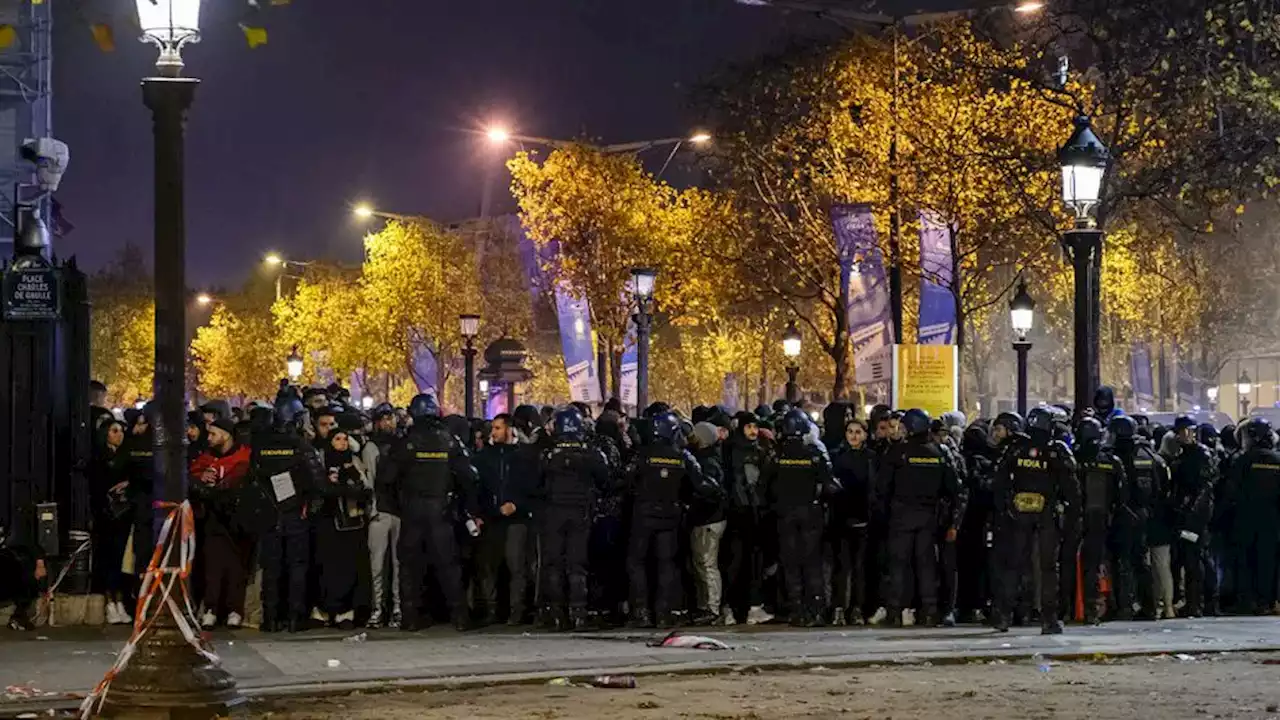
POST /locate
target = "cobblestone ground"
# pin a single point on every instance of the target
(1230, 685)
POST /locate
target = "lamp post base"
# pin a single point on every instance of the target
(166, 679)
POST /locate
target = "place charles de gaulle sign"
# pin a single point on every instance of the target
(32, 291)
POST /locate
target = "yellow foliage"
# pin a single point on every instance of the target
(239, 354)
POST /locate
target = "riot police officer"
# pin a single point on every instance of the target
(430, 471)
(917, 479)
(573, 475)
(1036, 489)
(663, 477)
(796, 482)
(1105, 494)
(1256, 483)
(1194, 474)
(1148, 480)
(285, 474)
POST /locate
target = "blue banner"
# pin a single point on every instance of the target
(424, 369)
(574, 317)
(1140, 377)
(630, 367)
(1187, 397)
(937, 304)
(862, 272)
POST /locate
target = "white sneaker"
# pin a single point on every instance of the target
(726, 617)
(879, 616)
(319, 616)
(348, 616)
(113, 615)
(208, 620)
(234, 620)
(908, 618)
(758, 616)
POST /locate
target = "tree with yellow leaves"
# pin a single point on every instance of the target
(122, 327)
(239, 353)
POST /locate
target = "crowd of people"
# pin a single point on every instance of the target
(403, 517)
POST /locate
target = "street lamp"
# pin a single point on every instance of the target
(791, 349)
(275, 260)
(167, 674)
(470, 327)
(642, 282)
(1244, 388)
(1022, 317)
(1084, 162)
(1213, 397)
(204, 299)
(293, 364)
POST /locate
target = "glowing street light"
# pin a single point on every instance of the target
(293, 364)
(498, 135)
(363, 211)
(204, 298)
(273, 259)
(700, 138)
(1026, 8)
(791, 340)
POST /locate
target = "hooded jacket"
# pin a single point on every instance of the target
(747, 462)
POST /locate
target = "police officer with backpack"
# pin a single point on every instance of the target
(431, 473)
(663, 478)
(1148, 479)
(796, 482)
(1036, 490)
(1105, 495)
(573, 475)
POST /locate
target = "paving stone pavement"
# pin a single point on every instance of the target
(59, 662)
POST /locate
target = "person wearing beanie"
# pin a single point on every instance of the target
(707, 518)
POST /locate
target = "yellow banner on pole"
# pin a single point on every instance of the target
(926, 377)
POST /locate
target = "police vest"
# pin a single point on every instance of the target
(1142, 479)
(662, 473)
(1097, 486)
(429, 474)
(1033, 478)
(797, 477)
(1262, 477)
(568, 479)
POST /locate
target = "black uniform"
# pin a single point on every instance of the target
(1194, 474)
(662, 480)
(973, 558)
(1036, 477)
(1256, 475)
(1105, 497)
(430, 470)
(285, 473)
(917, 478)
(573, 475)
(796, 481)
(1148, 486)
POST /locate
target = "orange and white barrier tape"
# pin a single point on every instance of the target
(161, 581)
(66, 568)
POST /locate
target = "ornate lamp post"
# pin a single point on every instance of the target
(167, 676)
(1084, 162)
(293, 364)
(1022, 316)
(1213, 397)
(470, 325)
(642, 281)
(791, 349)
(1244, 387)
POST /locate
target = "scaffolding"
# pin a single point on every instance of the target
(26, 110)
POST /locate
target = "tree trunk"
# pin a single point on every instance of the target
(763, 393)
(615, 371)
(842, 355)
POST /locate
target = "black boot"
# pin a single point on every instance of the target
(640, 618)
(893, 618)
(298, 624)
(1000, 622)
(462, 619)
(269, 625)
(1051, 627)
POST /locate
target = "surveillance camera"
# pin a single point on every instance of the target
(50, 157)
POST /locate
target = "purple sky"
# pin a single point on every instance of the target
(371, 98)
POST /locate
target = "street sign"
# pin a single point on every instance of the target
(32, 293)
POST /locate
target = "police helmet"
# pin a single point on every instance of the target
(656, 408)
(795, 424)
(1122, 427)
(1182, 422)
(568, 422)
(1041, 418)
(1010, 421)
(1258, 431)
(915, 422)
(424, 406)
(1090, 431)
(666, 428)
(288, 408)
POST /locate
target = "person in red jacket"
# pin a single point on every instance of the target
(225, 551)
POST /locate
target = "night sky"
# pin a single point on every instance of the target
(354, 99)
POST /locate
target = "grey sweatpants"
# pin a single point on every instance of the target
(384, 537)
(706, 564)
